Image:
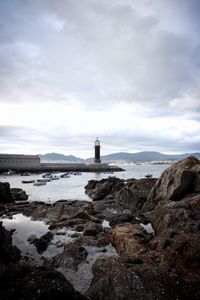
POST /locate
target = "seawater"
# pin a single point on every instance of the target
(73, 188)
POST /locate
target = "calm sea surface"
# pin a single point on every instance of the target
(73, 188)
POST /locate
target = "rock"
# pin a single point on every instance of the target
(18, 194)
(98, 190)
(112, 280)
(131, 241)
(71, 257)
(175, 182)
(177, 228)
(41, 243)
(92, 228)
(26, 282)
(8, 253)
(5, 194)
(60, 212)
(112, 195)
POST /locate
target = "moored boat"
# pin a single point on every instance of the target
(55, 177)
(39, 183)
(28, 181)
(25, 174)
(65, 175)
(44, 180)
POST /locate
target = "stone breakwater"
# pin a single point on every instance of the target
(154, 225)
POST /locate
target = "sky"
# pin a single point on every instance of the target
(127, 71)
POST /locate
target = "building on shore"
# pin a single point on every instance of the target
(19, 162)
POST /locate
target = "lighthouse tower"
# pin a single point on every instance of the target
(97, 159)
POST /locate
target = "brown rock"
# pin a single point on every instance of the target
(174, 183)
(130, 241)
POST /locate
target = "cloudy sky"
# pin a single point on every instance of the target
(127, 71)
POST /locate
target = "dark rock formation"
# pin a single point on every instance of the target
(113, 196)
(91, 228)
(26, 282)
(112, 280)
(41, 243)
(71, 257)
(8, 253)
(18, 194)
(5, 194)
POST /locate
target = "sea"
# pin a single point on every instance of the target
(72, 188)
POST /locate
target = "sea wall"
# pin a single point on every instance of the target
(31, 163)
(79, 167)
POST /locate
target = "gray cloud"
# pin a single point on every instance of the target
(108, 52)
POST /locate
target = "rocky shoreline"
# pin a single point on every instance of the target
(136, 239)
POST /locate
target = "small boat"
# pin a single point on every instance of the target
(55, 177)
(10, 172)
(47, 175)
(25, 174)
(77, 173)
(65, 175)
(148, 175)
(44, 180)
(28, 181)
(37, 183)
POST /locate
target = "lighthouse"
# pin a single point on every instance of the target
(97, 159)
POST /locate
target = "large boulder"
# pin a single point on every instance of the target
(177, 235)
(131, 241)
(5, 194)
(18, 194)
(175, 182)
(113, 196)
(112, 280)
(98, 190)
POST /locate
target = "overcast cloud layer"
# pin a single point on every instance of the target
(127, 71)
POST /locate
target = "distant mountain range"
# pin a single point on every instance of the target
(119, 157)
(60, 157)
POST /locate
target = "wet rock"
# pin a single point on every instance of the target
(8, 253)
(98, 190)
(175, 182)
(114, 194)
(60, 212)
(5, 194)
(71, 257)
(92, 228)
(112, 280)
(18, 194)
(26, 282)
(131, 241)
(41, 243)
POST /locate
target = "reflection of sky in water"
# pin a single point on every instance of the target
(73, 187)
(82, 277)
(25, 227)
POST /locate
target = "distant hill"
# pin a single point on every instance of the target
(143, 156)
(119, 157)
(56, 157)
